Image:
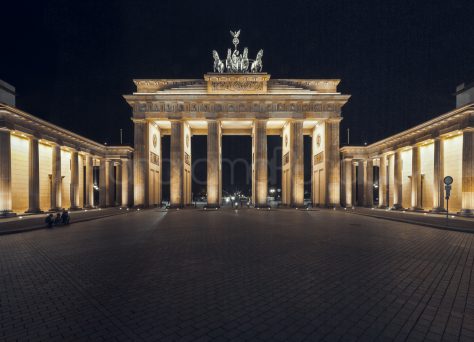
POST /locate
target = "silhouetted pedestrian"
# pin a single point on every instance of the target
(49, 220)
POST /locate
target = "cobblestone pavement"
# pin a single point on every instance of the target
(246, 275)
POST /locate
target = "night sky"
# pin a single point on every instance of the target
(71, 61)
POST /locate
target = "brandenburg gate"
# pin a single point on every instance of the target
(237, 99)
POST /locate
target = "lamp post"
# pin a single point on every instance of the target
(448, 180)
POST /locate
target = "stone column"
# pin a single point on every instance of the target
(438, 175)
(333, 166)
(354, 183)
(110, 183)
(468, 172)
(5, 173)
(89, 195)
(33, 181)
(361, 180)
(369, 183)
(125, 182)
(74, 194)
(140, 164)
(102, 183)
(296, 163)
(348, 182)
(383, 182)
(260, 150)
(415, 178)
(397, 187)
(118, 184)
(177, 161)
(56, 179)
(213, 163)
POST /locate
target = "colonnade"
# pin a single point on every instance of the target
(39, 175)
(148, 163)
(411, 177)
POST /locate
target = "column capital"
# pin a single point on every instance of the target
(333, 120)
(139, 121)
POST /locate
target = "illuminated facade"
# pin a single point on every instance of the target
(236, 104)
(406, 171)
(45, 167)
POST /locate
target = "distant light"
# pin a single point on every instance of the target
(452, 216)
(138, 209)
(128, 208)
(20, 217)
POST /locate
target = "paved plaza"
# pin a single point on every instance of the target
(284, 275)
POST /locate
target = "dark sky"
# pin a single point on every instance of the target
(400, 60)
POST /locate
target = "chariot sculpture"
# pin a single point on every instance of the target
(236, 62)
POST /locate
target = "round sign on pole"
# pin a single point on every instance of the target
(448, 180)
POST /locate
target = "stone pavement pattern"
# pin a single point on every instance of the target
(223, 275)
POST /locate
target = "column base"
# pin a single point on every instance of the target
(416, 209)
(75, 208)
(55, 209)
(467, 212)
(34, 211)
(396, 207)
(7, 213)
(382, 207)
(438, 210)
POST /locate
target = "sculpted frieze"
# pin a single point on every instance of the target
(258, 107)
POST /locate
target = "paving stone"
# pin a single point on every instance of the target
(246, 275)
